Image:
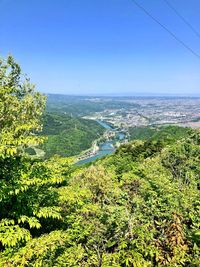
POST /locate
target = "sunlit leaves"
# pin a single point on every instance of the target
(32, 221)
(20, 109)
(48, 212)
(11, 235)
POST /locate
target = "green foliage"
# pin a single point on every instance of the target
(82, 106)
(168, 134)
(27, 198)
(137, 208)
(144, 215)
(67, 135)
(20, 109)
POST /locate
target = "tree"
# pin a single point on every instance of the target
(27, 198)
(20, 110)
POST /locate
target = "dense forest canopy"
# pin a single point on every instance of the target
(139, 207)
(167, 133)
(68, 135)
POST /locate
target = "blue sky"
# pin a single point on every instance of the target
(102, 46)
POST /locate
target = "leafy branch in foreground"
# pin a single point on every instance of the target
(27, 198)
(20, 109)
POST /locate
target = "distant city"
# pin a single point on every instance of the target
(146, 111)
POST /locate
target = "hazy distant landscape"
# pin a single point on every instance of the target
(72, 127)
(130, 111)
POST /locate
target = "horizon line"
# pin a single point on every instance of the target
(126, 95)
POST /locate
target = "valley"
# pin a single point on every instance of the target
(90, 128)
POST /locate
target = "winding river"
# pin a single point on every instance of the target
(105, 148)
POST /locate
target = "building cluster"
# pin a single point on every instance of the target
(152, 111)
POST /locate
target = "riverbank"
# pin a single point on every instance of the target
(112, 136)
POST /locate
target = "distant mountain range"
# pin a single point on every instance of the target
(130, 94)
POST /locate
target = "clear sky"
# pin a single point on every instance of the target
(102, 46)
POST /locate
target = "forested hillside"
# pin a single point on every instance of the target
(167, 134)
(81, 106)
(137, 208)
(68, 135)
